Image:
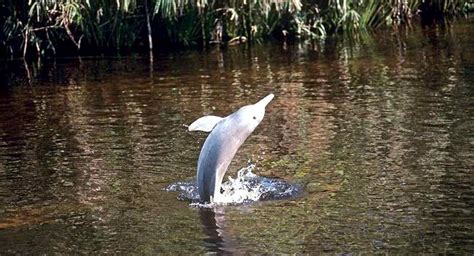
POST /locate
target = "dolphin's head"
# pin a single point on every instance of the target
(250, 116)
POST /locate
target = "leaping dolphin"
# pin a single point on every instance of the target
(227, 135)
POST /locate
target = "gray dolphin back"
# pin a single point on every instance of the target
(227, 135)
(216, 155)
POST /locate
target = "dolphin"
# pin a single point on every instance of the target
(226, 136)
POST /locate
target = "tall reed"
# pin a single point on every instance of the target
(46, 27)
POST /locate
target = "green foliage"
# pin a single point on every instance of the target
(41, 26)
(355, 15)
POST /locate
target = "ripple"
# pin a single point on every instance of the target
(246, 188)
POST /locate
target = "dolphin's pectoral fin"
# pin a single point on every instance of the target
(205, 123)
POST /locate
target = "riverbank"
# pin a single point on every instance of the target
(72, 28)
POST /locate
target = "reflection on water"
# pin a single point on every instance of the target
(214, 227)
(379, 132)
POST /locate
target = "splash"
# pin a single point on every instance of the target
(247, 187)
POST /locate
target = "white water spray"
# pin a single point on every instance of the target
(247, 187)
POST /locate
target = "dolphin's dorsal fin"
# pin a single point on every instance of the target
(205, 123)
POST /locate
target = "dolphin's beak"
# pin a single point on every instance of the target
(264, 102)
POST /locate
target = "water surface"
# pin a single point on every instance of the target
(379, 132)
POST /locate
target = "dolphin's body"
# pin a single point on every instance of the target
(227, 135)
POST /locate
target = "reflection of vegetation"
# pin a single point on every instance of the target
(390, 172)
(50, 27)
(378, 133)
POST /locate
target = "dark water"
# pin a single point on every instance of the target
(379, 132)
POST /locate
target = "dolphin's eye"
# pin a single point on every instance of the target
(254, 117)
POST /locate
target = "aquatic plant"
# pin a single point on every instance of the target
(50, 27)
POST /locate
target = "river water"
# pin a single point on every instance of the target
(378, 132)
